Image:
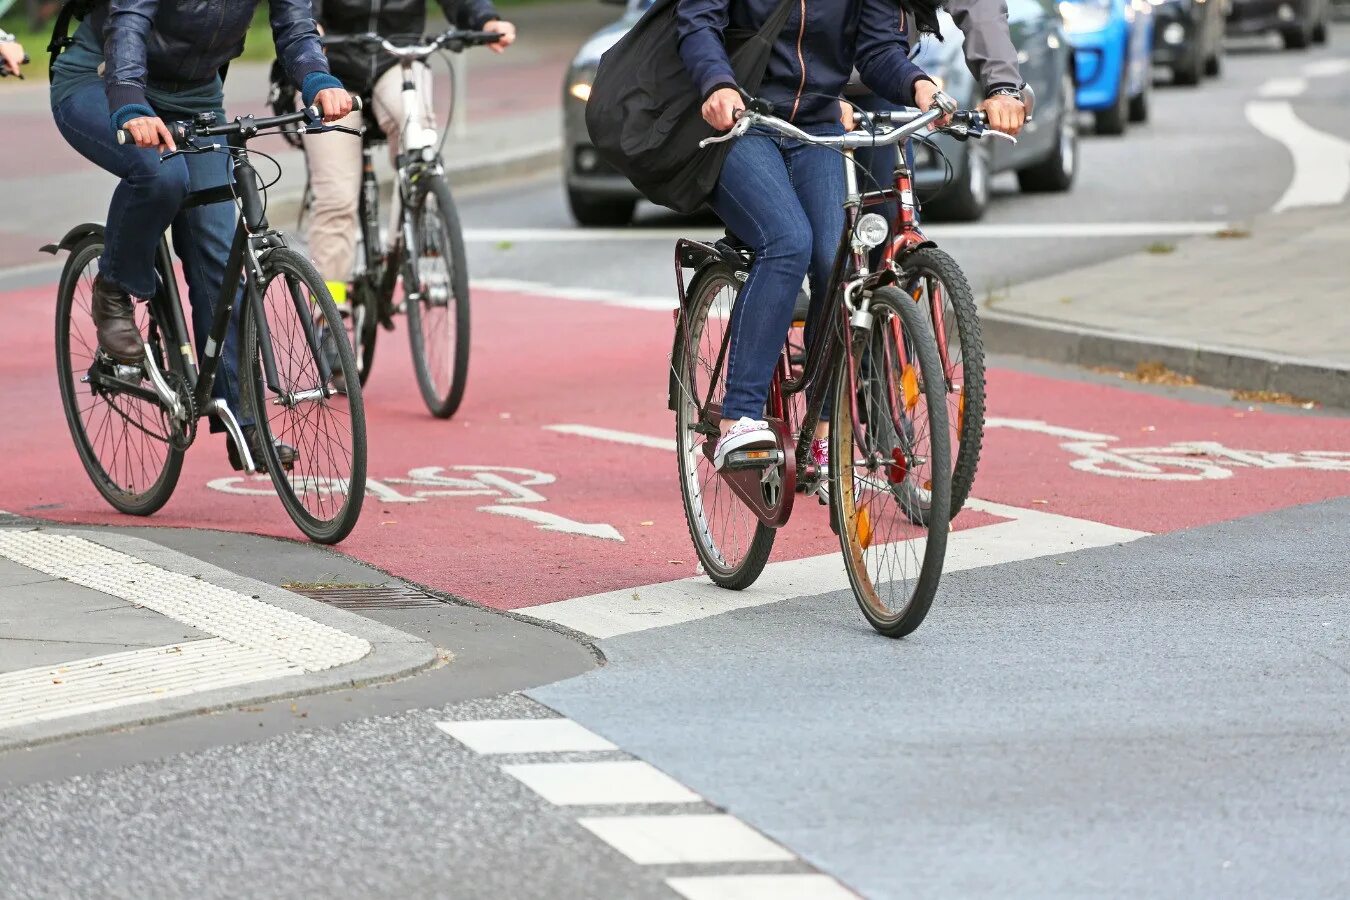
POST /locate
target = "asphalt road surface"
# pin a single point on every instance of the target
(1133, 682)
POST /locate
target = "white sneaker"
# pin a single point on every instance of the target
(820, 455)
(746, 434)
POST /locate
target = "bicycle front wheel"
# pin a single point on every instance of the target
(731, 543)
(291, 327)
(937, 284)
(890, 464)
(436, 289)
(124, 440)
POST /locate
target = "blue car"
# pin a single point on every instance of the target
(1113, 48)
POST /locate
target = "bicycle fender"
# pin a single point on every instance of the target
(73, 237)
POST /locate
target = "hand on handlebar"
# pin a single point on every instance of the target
(507, 32)
(11, 58)
(1005, 114)
(333, 104)
(927, 95)
(149, 132)
(722, 108)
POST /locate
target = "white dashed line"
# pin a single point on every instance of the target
(1321, 161)
(1283, 87)
(617, 437)
(600, 783)
(525, 736)
(668, 840)
(799, 886)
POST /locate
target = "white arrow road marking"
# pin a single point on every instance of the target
(547, 521)
(1321, 161)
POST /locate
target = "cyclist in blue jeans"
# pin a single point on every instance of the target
(781, 196)
(132, 65)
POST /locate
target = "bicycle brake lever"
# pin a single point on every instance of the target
(998, 134)
(741, 127)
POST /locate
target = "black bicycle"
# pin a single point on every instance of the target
(427, 251)
(133, 423)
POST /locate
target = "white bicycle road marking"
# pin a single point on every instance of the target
(509, 485)
(1283, 87)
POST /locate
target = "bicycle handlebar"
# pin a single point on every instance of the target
(419, 46)
(248, 126)
(907, 123)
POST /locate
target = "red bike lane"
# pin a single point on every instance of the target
(500, 507)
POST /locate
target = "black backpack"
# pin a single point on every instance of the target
(61, 39)
(644, 115)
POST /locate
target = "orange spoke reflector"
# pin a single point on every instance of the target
(864, 521)
(961, 410)
(909, 382)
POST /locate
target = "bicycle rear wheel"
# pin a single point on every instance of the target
(937, 284)
(890, 465)
(124, 441)
(436, 287)
(324, 488)
(731, 543)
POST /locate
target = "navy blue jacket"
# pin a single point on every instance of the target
(812, 61)
(185, 42)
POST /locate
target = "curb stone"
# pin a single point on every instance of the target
(394, 653)
(1215, 366)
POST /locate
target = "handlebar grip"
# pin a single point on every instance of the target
(357, 102)
(123, 137)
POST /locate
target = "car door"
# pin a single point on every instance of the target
(1029, 22)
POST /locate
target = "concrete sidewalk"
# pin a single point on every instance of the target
(101, 630)
(1260, 310)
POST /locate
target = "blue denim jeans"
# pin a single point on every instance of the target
(145, 203)
(786, 200)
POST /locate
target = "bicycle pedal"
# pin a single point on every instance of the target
(752, 459)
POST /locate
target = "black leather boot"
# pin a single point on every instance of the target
(285, 452)
(115, 320)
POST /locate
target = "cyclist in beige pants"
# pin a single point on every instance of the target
(335, 163)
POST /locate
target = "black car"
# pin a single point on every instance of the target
(1299, 22)
(1188, 38)
(1045, 158)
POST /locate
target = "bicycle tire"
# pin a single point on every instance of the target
(696, 471)
(423, 313)
(297, 370)
(894, 466)
(966, 408)
(363, 328)
(73, 319)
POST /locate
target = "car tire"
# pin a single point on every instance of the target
(1319, 32)
(1296, 38)
(1189, 73)
(1214, 65)
(1056, 172)
(967, 196)
(1112, 121)
(598, 211)
(1139, 103)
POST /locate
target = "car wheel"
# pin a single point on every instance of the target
(1319, 32)
(598, 212)
(1297, 37)
(1190, 72)
(1139, 103)
(1056, 172)
(1214, 65)
(1112, 121)
(965, 199)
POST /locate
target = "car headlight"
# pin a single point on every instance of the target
(581, 90)
(1081, 17)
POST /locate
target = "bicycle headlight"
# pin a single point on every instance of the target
(581, 90)
(870, 231)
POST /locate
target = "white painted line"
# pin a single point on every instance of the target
(151, 674)
(215, 610)
(601, 783)
(1030, 534)
(524, 736)
(584, 295)
(670, 840)
(1327, 68)
(1321, 161)
(941, 232)
(618, 437)
(799, 886)
(547, 521)
(1283, 87)
(1039, 427)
